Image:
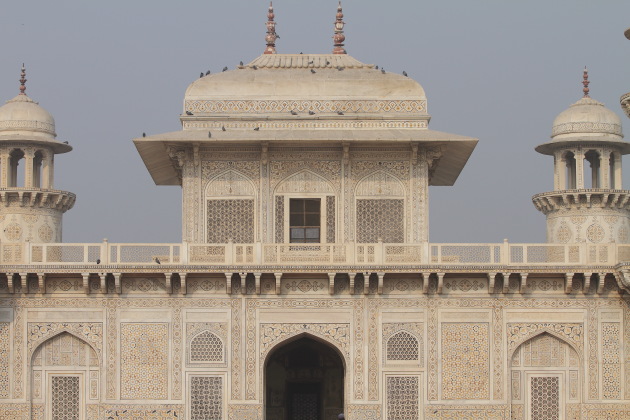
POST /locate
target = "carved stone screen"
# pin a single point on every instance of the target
(380, 219)
(230, 220)
(4, 359)
(402, 398)
(545, 398)
(66, 398)
(330, 219)
(206, 347)
(206, 398)
(402, 346)
(305, 406)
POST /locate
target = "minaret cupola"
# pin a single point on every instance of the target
(30, 209)
(587, 203)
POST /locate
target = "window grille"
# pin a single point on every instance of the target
(402, 346)
(380, 219)
(231, 220)
(206, 347)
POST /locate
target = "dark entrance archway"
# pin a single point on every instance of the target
(304, 380)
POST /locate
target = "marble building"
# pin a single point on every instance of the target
(305, 284)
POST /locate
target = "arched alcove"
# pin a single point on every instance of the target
(570, 171)
(545, 377)
(38, 159)
(592, 157)
(304, 379)
(16, 178)
(64, 377)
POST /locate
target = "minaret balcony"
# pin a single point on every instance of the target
(37, 197)
(582, 198)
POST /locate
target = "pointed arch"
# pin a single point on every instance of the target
(564, 339)
(40, 347)
(380, 183)
(304, 181)
(90, 333)
(230, 183)
(206, 347)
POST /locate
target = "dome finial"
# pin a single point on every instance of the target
(585, 82)
(271, 31)
(339, 37)
(23, 80)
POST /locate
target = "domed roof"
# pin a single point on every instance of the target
(321, 83)
(22, 115)
(587, 118)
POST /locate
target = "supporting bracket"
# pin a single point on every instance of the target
(24, 282)
(366, 283)
(440, 282)
(491, 279)
(523, 283)
(601, 283)
(41, 283)
(568, 286)
(117, 285)
(86, 282)
(506, 283)
(381, 276)
(182, 283)
(228, 283)
(587, 282)
(278, 277)
(257, 278)
(243, 277)
(351, 277)
(426, 278)
(169, 282)
(331, 283)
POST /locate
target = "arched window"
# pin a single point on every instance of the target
(592, 157)
(16, 178)
(402, 346)
(206, 347)
(38, 158)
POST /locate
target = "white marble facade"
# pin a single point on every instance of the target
(247, 320)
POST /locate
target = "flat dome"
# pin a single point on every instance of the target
(283, 82)
(23, 116)
(587, 118)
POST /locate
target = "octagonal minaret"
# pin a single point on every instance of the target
(31, 208)
(588, 203)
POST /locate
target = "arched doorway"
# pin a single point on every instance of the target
(304, 380)
(545, 378)
(64, 378)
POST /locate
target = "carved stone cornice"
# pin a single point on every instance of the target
(26, 197)
(585, 198)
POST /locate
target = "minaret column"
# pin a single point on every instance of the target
(29, 154)
(560, 171)
(579, 169)
(48, 170)
(604, 168)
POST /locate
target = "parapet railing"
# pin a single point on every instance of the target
(293, 254)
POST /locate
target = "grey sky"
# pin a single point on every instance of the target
(493, 69)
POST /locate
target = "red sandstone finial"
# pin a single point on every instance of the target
(271, 31)
(23, 80)
(585, 82)
(339, 37)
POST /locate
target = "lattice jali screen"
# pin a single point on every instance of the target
(66, 398)
(206, 397)
(402, 398)
(380, 219)
(402, 346)
(330, 218)
(206, 347)
(545, 398)
(230, 220)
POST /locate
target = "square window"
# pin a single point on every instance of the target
(305, 220)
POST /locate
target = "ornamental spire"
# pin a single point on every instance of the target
(271, 31)
(339, 37)
(23, 80)
(585, 82)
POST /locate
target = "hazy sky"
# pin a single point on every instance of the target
(493, 69)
